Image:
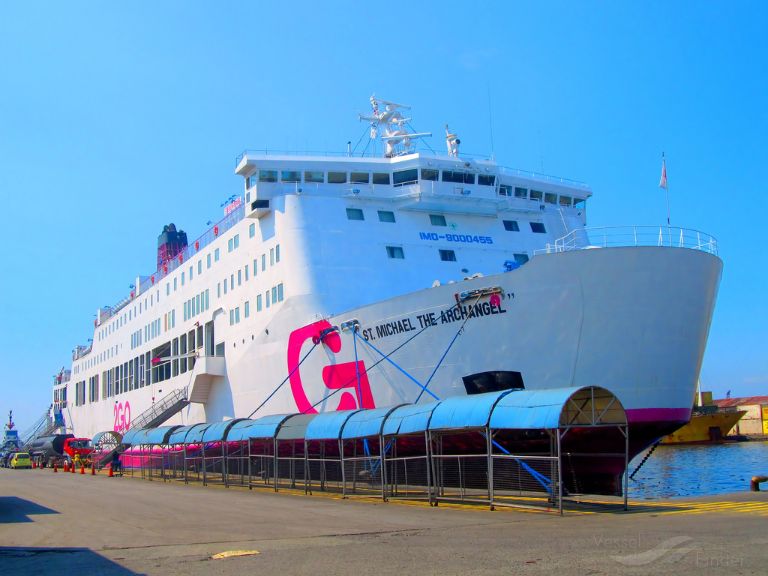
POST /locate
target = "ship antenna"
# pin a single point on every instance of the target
(490, 121)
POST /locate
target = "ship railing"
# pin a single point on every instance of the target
(623, 236)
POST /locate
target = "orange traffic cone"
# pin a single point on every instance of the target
(82, 469)
(111, 472)
(72, 468)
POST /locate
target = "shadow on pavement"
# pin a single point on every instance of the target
(13, 509)
(57, 561)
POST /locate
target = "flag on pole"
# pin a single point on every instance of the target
(663, 181)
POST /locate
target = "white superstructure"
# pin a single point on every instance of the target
(343, 281)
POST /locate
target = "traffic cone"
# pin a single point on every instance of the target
(111, 472)
(93, 470)
(34, 464)
(82, 469)
(72, 468)
(55, 470)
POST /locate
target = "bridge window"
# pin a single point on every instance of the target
(437, 220)
(355, 214)
(459, 177)
(290, 176)
(429, 174)
(337, 177)
(580, 203)
(536, 195)
(395, 252)
(521, 192)
(538, 228)
(447, 255)
(314, 176)
(267, 175)
(381, 178)
(505, 190)
(386, 216)
(359, 178)
(511, 226)
(486, 180)
(565, 200)
(550, 198)
(402, 177)
(521, 258)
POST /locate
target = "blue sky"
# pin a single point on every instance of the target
(117, 118)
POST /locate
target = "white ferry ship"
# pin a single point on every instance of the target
(337, 282)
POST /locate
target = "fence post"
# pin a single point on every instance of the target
(489, 448)
(559, 475)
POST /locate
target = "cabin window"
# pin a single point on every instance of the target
(505, 190)
(251, 181)
(314, 176)
(565, 201)
(355, 214)
(536, 195)
(271, 256)
(277, 253)
(550, 198)
(266, 297)
(199, 267)
(538, 228)
(580, 203)
(437, 220)
(429, 174)
(381, 178)
(459, 177)
(402, 177)
(521, 258)
(486, 180)
(251, 230)
(267, 175)
(280, 292)
(386, 216)
(208, 260)
(216, 255)
(395, 252)
(521, 192)
(337, 177)
(359, 178)
(290, 176)
(447, 255)
(263, 262)
(247, 309)
(511, 226)
(258, 303)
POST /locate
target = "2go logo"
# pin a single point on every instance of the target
(122, 413)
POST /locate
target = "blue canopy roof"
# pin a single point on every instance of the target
(143, 436)
(409, 419)
(366, 423)
(218, 431)
(293, 427)
(328, 425)
(195, 435)
(465, 411)
(179, 435)
(264, 427)
(528, 409)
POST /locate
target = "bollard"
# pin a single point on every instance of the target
(754, 485)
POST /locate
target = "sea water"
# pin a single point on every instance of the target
(698, 470)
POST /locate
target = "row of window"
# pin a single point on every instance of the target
(196, 305)
(398, 177)
(536, 227)
(273, 296)
(539, 196)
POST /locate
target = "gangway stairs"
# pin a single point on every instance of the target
(169, 405)
(44, 426)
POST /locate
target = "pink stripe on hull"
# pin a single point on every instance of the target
(638, 415)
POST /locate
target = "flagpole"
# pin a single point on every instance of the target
(663, 184)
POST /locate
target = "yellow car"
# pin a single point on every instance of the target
(21, 460)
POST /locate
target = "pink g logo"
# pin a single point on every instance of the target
(335, 376)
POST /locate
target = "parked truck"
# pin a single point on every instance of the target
(60, 448)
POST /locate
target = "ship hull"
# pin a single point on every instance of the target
(634, 320)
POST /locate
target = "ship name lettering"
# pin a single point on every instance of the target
(394, 327)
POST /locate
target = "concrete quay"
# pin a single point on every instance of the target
(81, 524)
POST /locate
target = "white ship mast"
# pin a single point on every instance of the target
(397, 139)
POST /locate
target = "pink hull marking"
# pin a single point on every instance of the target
(639, 415)
(335, 376)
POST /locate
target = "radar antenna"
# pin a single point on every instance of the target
(452, 142)
(397, 140)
